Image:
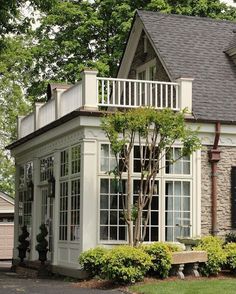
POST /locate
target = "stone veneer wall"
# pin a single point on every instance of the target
(141, 58)
(228, 159)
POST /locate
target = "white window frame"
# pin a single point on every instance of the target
(162, 177)
(69, 178)
(146, 67)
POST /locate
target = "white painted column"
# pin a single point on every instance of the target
(36, 115)
(36, 208)
(58, 102)
(185, 93)
(89, 90)
(56, 207)
(19, 120)
(89, 195)
(16, 214)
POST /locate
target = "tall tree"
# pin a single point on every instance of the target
(154, 132)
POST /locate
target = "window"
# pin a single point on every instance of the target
(137, 156)
(46, 168)
(112, 224)
(69, 226)
(172, 193)
(107, 158)
(64, 163)
(25, 204)
(177, 207)
(152, 232)
(182, 166)
(63, 211)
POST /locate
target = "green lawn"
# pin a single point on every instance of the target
(214, 286)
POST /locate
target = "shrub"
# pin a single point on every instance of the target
(230, 237)
(174, 247)
(230, 250)
(126, 264)
(216, 255)
(92, 260)
(161, 258)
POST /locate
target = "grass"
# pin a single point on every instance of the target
(226, 286)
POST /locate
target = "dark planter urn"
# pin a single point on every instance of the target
(24, 244)
(43, 255)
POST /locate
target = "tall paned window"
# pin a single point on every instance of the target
(171, 201)
(46, 168)
(25, 201)
(112, 225)
(69, 227)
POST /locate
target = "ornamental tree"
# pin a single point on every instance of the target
(155, 132)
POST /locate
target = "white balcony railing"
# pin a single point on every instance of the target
(94, 93)
(127, 93)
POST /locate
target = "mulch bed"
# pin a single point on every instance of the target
(108, 285)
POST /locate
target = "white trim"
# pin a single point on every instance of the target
(145, 67)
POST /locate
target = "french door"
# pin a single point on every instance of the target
(47, 205)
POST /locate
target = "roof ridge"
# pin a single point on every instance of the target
(203, 18)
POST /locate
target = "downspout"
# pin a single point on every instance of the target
(214, 157)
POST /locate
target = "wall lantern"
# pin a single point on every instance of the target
(30, 190)
(51, 187)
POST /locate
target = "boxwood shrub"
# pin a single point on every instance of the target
(230, 250)
(92, 260)
(216, 255)
(126, 264)
(161, 258)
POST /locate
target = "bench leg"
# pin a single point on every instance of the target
(180, 271)
(195, 270)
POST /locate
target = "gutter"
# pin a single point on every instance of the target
(214, 158)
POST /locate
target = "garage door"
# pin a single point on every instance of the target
(6, 240)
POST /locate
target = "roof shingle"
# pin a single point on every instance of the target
(194, 47)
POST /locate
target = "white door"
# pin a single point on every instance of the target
(47, 219)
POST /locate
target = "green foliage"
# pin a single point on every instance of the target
(161, 258)
(42, 241)
(216, 255)
(174, 247)
(230, 250)
(230, 237)
(126, 264)
(92, 260)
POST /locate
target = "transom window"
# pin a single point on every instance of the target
(46, 168)
(172, 193)
(182, 166)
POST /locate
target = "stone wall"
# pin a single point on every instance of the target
(228, 159)
(141, 58)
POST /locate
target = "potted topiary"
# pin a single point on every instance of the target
(24, 244)
(42, 245)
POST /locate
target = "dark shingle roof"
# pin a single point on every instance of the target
(194, 47)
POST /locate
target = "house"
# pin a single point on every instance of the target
(6, 226)
(62, 155)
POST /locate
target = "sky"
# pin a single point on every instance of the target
(230, 2)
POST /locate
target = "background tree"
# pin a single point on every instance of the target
(155, 132)
(71, 35)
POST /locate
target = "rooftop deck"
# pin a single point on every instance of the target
(97, 94)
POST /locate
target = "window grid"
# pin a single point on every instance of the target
(177, 209)
(69, 172)
(63, 225)
(46, 168)
(75, 159)
(182, 166)
(152, 232)
(75, 210)
(112, 224)
(64, 170)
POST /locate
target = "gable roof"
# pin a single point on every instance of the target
(7, 198)
(194, 47)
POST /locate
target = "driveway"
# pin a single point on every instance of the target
(11, 283)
